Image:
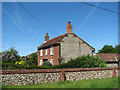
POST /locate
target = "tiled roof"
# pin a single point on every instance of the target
(109, 57)
(57, 40)
(53, 41)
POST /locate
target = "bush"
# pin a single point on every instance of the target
(80, 62)
(17, 62)
(46, 64)
(60, 59)
(87, 62)
(11, 66)
(22, 62)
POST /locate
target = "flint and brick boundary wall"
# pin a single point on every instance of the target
(25, 77)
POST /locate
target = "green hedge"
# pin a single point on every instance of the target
(80, 62)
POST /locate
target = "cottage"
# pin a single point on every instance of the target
(68, 45)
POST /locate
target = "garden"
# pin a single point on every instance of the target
(12, 61)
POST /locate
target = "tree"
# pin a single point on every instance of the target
(117, 49)
(110, 49)
(32, 59)
(106, 49)
(10, 55)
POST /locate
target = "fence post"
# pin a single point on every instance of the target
(113, 73)
(62, 76)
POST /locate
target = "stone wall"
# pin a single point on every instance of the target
(112, 64)
(73, 76)
(25, 77)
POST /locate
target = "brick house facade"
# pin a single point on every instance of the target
(68, 45)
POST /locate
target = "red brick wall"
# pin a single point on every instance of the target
(55, 55)
(56, 70)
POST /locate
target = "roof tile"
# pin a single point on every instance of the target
(109, 56)
(56, 40)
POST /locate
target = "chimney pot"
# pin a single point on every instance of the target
(46, 37)
(69, 27)
(46, 34)
(69, 22)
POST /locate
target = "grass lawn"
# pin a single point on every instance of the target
(91, 83)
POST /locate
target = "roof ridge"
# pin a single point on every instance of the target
(53, 41)
(57, 37)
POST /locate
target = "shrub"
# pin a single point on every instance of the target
(60, 59)
(11, 66)
(17, 62)
(22, 62)
(46, 64)
(87, 61)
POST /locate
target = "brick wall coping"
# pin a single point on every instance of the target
(55, 70)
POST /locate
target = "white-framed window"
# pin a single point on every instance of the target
(45, 51)
(41, 52)
(41, 62)
(51, 50)
(51, 61)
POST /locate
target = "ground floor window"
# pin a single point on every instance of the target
(51, 61)
(41, 62)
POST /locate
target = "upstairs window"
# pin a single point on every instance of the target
(41, 52)
(45, 51)
(51, 61)
(51, 50)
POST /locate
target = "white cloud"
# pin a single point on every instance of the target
(87, 17)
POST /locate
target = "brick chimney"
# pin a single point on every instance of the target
(69, 27)
(46, 37)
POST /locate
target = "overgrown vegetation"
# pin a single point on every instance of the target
(110, 49)
(87, 62)
(80, 62)
(11, 60)
(91, 83)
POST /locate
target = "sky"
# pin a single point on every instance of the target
(20, 30)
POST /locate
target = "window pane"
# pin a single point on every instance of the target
(46, 52)
(51, 61)
(41, 62)
(41, 52)
(51, 50)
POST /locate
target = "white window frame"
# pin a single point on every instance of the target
(41, 52)
(46, 52)
(41, 62)
(51, 61)
(51, 50)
